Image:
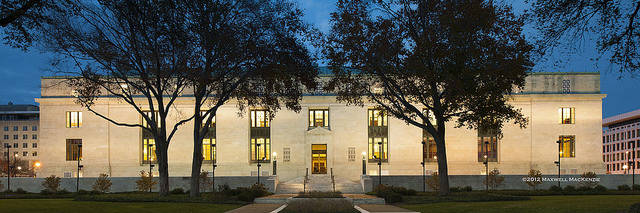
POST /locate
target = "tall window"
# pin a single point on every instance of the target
(260, 142)
(74, 149)
(567, 115)
(378, 136)
(148, 141)
(74, 119)
(487, 145)
(209, 140)
(429, 147)
(567, 146)
(318, 118)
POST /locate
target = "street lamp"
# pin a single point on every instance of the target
(486, 165)
(364, 163)
(149, 147)
(424, 180)
(36, 166)
(558, 162)
(79, 167)
(275, 158)
(380, 163)
(258, 153)
(213, 169)
(8, 167)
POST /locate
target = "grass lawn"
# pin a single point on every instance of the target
(70, 206)
(569, 204)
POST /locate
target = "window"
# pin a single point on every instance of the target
(74, 119)
(148, 141)
(74, 149)
(318, 118)
(25, 128)
(34, 128)
(6, 128)
(25, 137)
(34, 136)
(15, 137)
(6, 137)
(24, 154)
(351, 154)
(567, 146)
(148, 114)
(378, 136)
(25, 145)
(209, 141)
(286, 154)
(34, 154)
(260, 136)
(487, 145)
(567, 115)
(15, 128)
(15, 145)
(34, 145)
(429, 148)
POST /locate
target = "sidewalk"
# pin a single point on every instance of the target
(381, 208)
(256, 208)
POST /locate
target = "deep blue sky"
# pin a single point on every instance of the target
(20, 71)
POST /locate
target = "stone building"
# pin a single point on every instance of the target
(620, 140)
(327, 136)
(20, 127)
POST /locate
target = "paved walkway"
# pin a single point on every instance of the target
(256, 208)
(382, 208)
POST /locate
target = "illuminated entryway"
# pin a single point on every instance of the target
(319, 159)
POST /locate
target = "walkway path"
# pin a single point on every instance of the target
(256, 208)
(381, 208)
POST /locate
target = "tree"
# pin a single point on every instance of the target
(133, 52)
(429, 63)
(494, 179)
(614, 23)
(18, 166)
(20, 19)
(249, 51)
(534, 178)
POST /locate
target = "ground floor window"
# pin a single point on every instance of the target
(260, 149)
(378, 149)
(209, 149)
(148, 151)
(567, 146)
(429, 148)
(74, 149)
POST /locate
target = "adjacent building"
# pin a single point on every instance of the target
(327, 135)
(620, 140)
(20, 138)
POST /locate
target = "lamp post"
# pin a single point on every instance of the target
(257, 158)
(380, 163)
(36, 166)
(364, 163)
(633, 168)
(275, 158)
(625, 168)
(149, 146)
(79, 167)
(8, 167)
(558, 162)
(213, 169)
(424, 180)
(486, 165)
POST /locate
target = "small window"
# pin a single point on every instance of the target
(34, 136)
(318, 118)
(567, 115)
(25, 137)
(351, 153)
(15, 128)
(6, 128)
(15, 145)
(567, 146)
(74, 119)
(25, 154)
(25, 128)
(6, 137)
(34, 145)
(15, 137)
(25, 145)
(34, 128)
(286, 154)
(74, 149)
(34, 154)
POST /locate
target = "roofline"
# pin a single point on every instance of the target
(619, 118)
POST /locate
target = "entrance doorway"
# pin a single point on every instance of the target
(319, 158)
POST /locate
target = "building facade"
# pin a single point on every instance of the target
(327, 137)
(620, 140)
(20, 138)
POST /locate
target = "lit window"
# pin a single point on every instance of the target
(567, 115)
(567, 146)
(150, 116)
(378, 148)
(487, 145)
(209, 140)
(148, 141)
(378, 145)
(377, 118)
(74, 149)
(318, 118)
(260, 136)
(260, 149)
(259, 118)
(74, 119)
(34, 154)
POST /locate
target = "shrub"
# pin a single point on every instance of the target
(177, 191)
(588, 183)
(635, 208)
(20, 191)
(51, 184)
(205, 181)
(467, 189)
(434, 182)
(635, 187)
(1, 186)
(226, 190)
(102, 184)
(600, 188)
(145, 183)
(248, 194)
(534, 178)
(259, 190)
(624, 187)
(494, 179)
(388, 193)
(555, 188)
(569, 188)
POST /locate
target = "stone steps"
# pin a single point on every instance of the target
(319, 183)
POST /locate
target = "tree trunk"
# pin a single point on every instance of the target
(163, 168)
(441, 152)
(196, 163)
